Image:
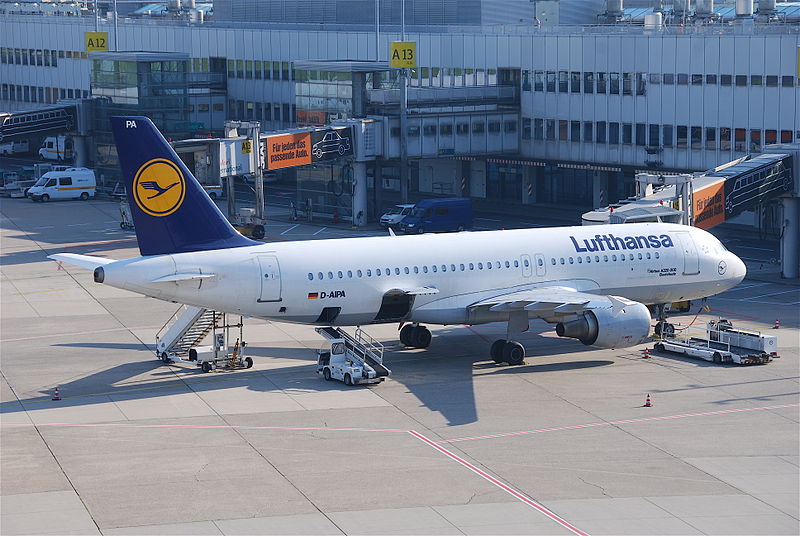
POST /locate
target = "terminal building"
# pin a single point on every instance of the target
(511, 103)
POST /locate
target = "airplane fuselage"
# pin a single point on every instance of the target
(353, 281)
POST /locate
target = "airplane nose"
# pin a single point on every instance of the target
(737, 268)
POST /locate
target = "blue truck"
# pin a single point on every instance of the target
(439, 215)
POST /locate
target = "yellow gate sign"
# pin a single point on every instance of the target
(247, 147)
(96, 41)
(402, 54)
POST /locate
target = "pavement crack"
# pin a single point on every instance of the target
(598, 486)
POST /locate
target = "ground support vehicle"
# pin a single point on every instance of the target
(125, 216)
(178, 340)
(394, 215)
(723, 344)
(246, 222)
(351, 359)
(69, 183)
(438, 215)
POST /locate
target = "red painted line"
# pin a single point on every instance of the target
(199, 427)
(76, 333)
(505, 487)
(612, 423)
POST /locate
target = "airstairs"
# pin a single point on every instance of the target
(185, 329)
(361, 345)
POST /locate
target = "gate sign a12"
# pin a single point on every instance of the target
(302, 148)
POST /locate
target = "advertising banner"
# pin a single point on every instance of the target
(288, 150)
(709, 205)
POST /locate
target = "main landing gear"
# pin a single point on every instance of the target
(415, 336)
(507, 350)
(663, 328)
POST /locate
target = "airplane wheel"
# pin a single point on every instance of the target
(326, 373)
(405, 334)
(421, 337)
(514, 353)
(496, 351)
(206, 366)
(248, 362)
(348, 380)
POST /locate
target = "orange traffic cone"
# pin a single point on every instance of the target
(647, 353)
(56, 396)
(647, 403)
(777, 324)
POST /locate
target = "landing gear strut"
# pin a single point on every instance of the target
(663, 328)
(511, 352)
(415, 336)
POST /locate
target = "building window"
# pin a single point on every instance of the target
(588, 130)
(550, 132)
(641, 130)
(669, 79)
(682, 137)
(711, 138)
(239, 68)
(697, 137)
(477, 127)
(724, 139)
(770, 137)
(613, 133)
(614, 85)
(786, 136)
(563, 81)
(588, 82)
(538, 129)
(462, 128)
(563, 127)
(538, 81)
(739, 140)
(772, 81)
(697, 79)
(575, 82)
(446, 129)
(601, 83)
(711, 79)
(741, 80)
(787, 81)
(600, 130)
(526, 128)
(655, 78)
(653, 136)
(755, 141)
(756, 80)
(510, 126)
(493, 127)
(641, 84)
(627, 83)
(725, 80)
(575, 131)
(683, 79)
(627, 133)
(551, 81)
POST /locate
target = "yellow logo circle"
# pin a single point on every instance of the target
(159, 187)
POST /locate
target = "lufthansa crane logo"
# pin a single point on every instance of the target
(159, 187)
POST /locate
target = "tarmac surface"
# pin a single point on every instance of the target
(450, 444)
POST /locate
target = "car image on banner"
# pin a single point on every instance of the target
(332, 143)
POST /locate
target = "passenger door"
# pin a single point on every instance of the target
(541, 268)
(691, 261)
(270, 279)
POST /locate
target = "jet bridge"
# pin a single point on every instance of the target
(718, 195)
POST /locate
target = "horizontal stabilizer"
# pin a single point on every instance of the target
(175, 278)
(84, 261)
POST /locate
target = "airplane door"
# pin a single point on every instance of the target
(526, 265)
(541, 267)
(270, 279)
(691, 261)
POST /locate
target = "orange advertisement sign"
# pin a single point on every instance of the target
(287, 150)
(709, 205)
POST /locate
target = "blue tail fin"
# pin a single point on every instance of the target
(171, 211)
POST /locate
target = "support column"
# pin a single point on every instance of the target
(600, 196)
(359, 194)
(528, 185)
(790, 238)
(81, 148)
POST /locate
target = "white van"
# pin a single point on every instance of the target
(71, 183)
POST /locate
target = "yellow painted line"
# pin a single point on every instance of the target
(40, 291)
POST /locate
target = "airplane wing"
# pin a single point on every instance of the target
(420, 291)
(547, 300)
(84, 261)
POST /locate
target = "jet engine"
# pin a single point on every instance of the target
(625, 324)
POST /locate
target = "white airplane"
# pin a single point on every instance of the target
(593, 282)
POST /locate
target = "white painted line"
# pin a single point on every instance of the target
(315, 234)
(77, 224)
(771, 250)
(752, 285)
(290, 228)
(740, 300)
(487, 219)
(503, 486)
(45, 227)
(774, 294)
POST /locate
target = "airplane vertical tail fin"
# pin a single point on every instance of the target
(171, 211)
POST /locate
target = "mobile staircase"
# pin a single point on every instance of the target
(353, 359)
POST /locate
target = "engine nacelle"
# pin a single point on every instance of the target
(625, 324)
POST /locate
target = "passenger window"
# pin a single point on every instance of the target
(339, 273)
(452, 267)
(369, 272)
(471, 266)
(516, 264)
(614, 258)
(571, 260)
(444, 267)
(461, 266)
(377, 271)
(310, 276)
(656, 254)
(359, 273)
(349, 273)
(51, 182)
(425, 269)
(489, 265)
(397, 271)
(434, 268)
(441, 211)
(580, 260)
(553, 261)
(588, 259)
(605, 258)
(416, 269)
(406, 270)
(330, 275)
(497, 264)
(65, 181)
(480, 266)
(630, 257)
(526, 263)
(540, 262)
(648, 255)
(597, 258)
(508, 264)
(622, 257)
(319, 275)
(640, 256)
(388, 271)
(561, 260)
